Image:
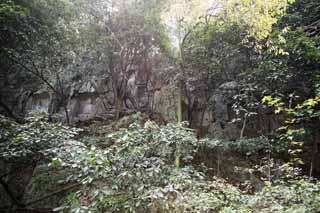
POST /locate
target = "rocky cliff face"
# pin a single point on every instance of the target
(209, 110)
(94, 99)
(86, 100)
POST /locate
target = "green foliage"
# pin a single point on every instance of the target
(141, 158)
(165, 42)
(31, 140)
(9, 11)
(291, 56)
(190, 191)
(71, 200)
(245, 146)
(85, 163)
(299, 44)
(259, 16)
(292, 131)
(301, 112)
(295, 196)
(139, 174)
(270, 47)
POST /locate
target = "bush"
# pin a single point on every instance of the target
(138, 173)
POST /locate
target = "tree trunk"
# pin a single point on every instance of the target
(243, 126)
(314, 149)
(65, 107)
(53, 106)
(119, 106)
(179, 114)
(218, 164)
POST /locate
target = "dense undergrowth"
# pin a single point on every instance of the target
(150, 168)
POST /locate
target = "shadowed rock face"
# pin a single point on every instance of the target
(164, 103)
(84, 100)
(207, 110)
(39, 102)
(95, 99)
(222, 99)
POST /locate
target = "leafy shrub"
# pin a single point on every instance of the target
(299, 196)
(33, 139)
(23, 149)
(142, 157)
(244, 145)
(138, 173)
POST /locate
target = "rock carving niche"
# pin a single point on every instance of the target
(137, 96)
(39, 103)
(222, 127)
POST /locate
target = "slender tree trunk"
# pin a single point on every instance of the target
(179, 114)
(314, 149)
(119, 105)
(243, 126)
(178, 156)
(218, 165)
(202, 116)
(65, 107)
(269, 161)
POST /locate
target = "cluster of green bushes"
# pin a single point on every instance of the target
(148, 167)
(139, 173)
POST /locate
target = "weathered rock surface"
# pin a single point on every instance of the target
(95, 99)
(207, 109)
(221, 107)
(165, 103)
